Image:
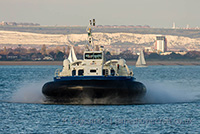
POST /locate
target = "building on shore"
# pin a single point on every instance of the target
(161, 44)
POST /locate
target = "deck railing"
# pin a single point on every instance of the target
(57, 72)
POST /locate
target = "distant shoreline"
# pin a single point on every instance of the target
(149, 63)
(167, 63)
(30, 62)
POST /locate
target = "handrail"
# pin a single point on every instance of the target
(131, 72)
(57, 72)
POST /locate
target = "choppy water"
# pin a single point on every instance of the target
(172, 104)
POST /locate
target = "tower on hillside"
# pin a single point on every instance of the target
(161, 44)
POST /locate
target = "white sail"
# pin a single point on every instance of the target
(72, 55)
(141, 61)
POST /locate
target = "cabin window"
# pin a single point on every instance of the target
(93, 55)
(73, 72)
(80, 72)
(112, 72)
(88, 55)
(105, 71)
(97, 55)
(92, 71)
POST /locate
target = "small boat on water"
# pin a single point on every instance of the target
(141, 60)
(93, 80)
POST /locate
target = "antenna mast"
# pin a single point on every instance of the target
(89, 31)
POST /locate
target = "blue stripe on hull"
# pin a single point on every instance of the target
(93, 78)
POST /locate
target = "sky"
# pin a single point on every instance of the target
(156, 13)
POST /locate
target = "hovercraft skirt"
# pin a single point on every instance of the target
(115, 91)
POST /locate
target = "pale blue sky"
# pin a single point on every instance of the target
(156, 13)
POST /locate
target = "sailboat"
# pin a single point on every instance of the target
(141, 61)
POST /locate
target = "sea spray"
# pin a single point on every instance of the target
(169, 92)
(29, 93)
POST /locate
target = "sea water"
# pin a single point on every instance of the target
(171, 104)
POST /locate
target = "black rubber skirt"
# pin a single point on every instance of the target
(94, 91)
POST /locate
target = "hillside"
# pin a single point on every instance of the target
(131, 39)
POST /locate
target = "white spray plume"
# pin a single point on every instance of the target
(29, 93)
(169, 92)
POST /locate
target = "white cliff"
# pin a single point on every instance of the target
(24, 38)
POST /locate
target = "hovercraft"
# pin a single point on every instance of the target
(93, 81)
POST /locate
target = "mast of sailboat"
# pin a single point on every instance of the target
(89, 31)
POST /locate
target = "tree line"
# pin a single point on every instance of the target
(60, 53)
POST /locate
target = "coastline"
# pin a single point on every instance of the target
(149, 63)
(167, 63)
(31, 63)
